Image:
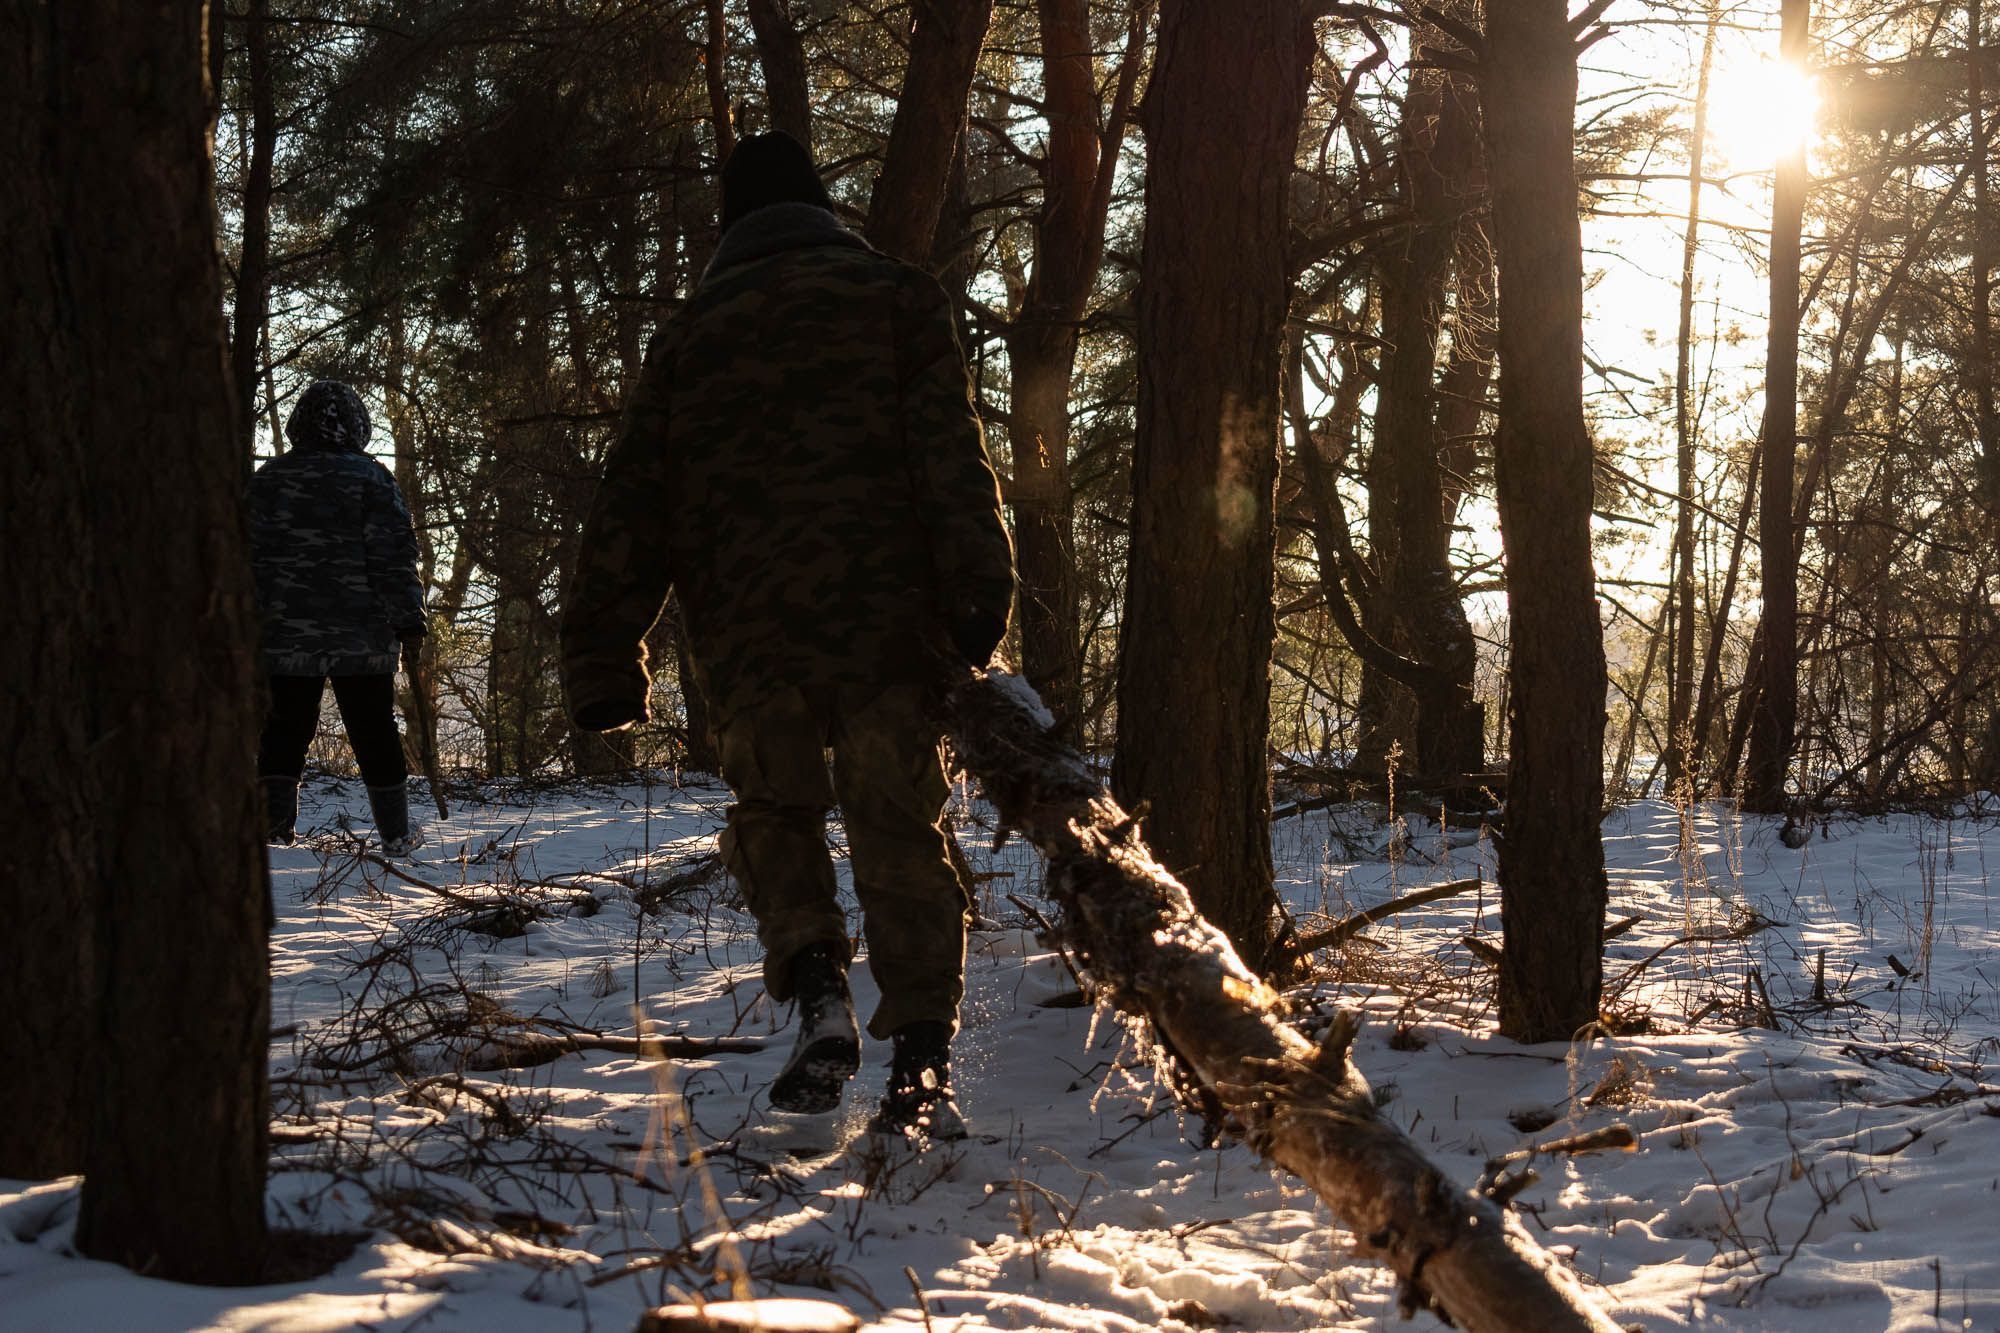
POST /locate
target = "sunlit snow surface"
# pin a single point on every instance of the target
(1840, 1172)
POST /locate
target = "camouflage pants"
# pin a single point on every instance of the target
(890, 783)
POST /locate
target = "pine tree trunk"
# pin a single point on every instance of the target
(153, 659)
(1227, 93)
(1773, 722)
(46, 952)
(783, 59)
(1416, 609)
(944, 48)
(1551, 859)
(1041, 349)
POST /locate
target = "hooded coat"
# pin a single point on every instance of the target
(332, 546)
(801, 461)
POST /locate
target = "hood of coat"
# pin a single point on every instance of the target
(329, 418)
(776, 228)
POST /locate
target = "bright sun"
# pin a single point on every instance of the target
(1760, 110)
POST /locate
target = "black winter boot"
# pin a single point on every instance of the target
(828, 1049)
(918, 1106)
(391, 806)
(281, 809)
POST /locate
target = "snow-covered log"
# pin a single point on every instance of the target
(1301, 1104)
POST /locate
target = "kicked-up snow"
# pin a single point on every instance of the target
(1803, 1044)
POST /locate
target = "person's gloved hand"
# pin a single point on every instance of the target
(976, 634)
(413, 652)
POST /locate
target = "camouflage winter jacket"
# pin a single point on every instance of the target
(336, 561)
(801, 460)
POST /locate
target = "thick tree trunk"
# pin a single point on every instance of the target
(944, 48)
(1683, 743)
(46, 953)
(148, 787)
(1552, 887)
(1227, 93)
(783, 59)
(1138, 936)
(1773, 723)
(253, 266)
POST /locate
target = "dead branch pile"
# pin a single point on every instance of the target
(1132, 927)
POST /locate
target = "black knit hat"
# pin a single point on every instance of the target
(768, 169)
(329, 415)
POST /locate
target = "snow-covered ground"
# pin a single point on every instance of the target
(1809, 1077)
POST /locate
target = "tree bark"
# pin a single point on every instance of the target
(944, 48)
(1552, 887)
(46, 953)
(151, 786)
(1773, 722)
(1137, 935)
(783, 59)
(1227, 94)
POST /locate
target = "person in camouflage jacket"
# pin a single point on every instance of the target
(801, 461)
(335, 559)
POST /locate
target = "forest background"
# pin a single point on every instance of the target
(481, 211)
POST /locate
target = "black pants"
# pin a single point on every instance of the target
(367, 709)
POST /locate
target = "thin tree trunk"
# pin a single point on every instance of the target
(1708, 697)
(1552, 887)
(1986, 419)
(157, 803)
(253, 268)
(1416, 608)
(1041, 349)
(930, 115)
(1227, 94)
(409, 479)
(1773, 723)
(714, 61)
(1684, 744)
(1468, 371)
(783, 59)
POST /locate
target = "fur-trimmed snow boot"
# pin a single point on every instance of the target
(918, 1106)
(828, 1050)
(281, 809)
(391, 807)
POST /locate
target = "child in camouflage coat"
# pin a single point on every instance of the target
(337, 592)
(801, 460)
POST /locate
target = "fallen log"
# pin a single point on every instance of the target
(1135, 933)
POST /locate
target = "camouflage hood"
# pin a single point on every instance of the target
(329, 416)
(774, 229)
